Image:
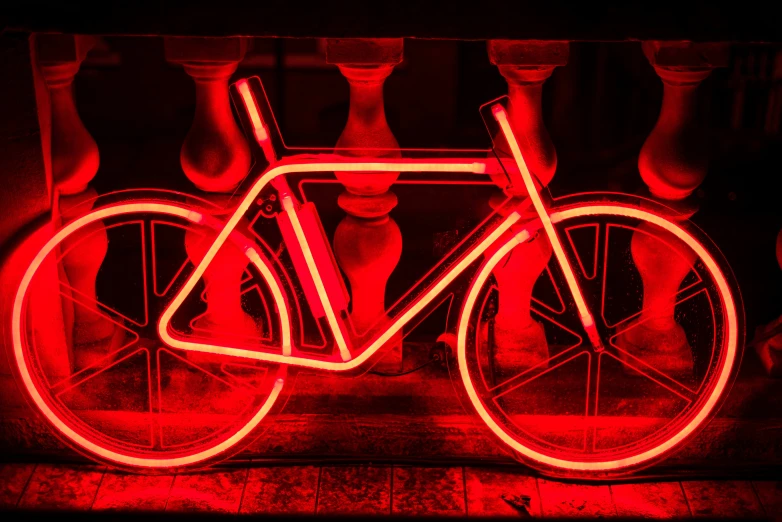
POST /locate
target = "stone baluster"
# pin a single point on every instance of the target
(74, 162)
(770, 349)
(673, 163)
(215, 157)
(519, 340)
(367, 242)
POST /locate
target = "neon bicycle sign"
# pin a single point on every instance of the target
(307, 251)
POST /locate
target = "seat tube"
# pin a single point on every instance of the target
(313, 261)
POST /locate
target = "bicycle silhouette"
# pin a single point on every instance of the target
(170, 395)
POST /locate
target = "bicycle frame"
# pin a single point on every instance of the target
(351, 357)
(493, 239)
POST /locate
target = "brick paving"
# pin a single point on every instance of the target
(377, 490)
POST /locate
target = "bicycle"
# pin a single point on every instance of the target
(297, 286)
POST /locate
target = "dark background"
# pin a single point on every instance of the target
(697, 20)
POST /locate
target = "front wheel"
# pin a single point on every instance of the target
(669, 319)
(85, 344)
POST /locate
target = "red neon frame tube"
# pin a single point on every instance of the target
(348, 360)
(321, 164)
(524, 175)
(260, 130)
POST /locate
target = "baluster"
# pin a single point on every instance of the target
(367, 242)
(215, 157)
(519, 340)
(770, 350)
(74, 163)
(673, 163)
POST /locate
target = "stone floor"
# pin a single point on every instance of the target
(376, 490)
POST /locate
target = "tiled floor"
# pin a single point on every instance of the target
(377, 490)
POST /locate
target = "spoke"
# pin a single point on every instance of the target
(592, 286)
(585, 271)
(96, 368)
(155, 386)
(235, 381)
(148, 282)
(569, 316)
(592, 397)
(152, 303)
(540, 308)
(247, 282)
(681, 296)
(536, 371)
(118, 238)
(602, 268)
(238, 382)
(149, 274)
(154, 252)
(97, 307)
(604, 257)
(582, 285)
(207, 368)
(652, 373)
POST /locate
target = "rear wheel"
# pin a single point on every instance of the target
(577, 410)
(94, 366)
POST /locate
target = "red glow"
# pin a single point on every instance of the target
(260, 130)
(63, 427)
(309, 164)
(708, 404)
(526, 178)
(332, 281)
(326, 295)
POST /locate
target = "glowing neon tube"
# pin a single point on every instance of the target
(287, 204)
(303, 165)
(260, 130)
(583, 311)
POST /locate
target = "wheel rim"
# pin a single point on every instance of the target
(170, 444)
(489, 398)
